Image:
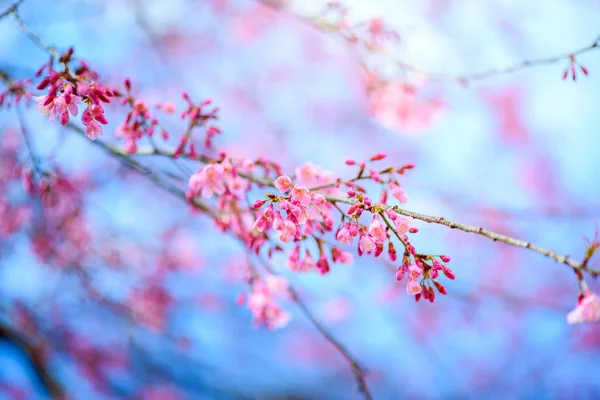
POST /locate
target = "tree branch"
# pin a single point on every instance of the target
(35, 354)
(496, 237)
(12, 9)
(357, 370)
(313, 22)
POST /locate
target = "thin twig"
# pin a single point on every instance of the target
(36, 355)
(440, 76)
(357, 370)
(11, 9)
(496, 237)
(33, 36)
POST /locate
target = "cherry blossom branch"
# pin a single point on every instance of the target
(513, 68)
(496, 237)
(36, 355)
(121, 155)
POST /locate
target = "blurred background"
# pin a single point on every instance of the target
(133, 295)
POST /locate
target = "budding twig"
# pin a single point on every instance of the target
(496, 237)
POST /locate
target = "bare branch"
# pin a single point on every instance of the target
(12, 9)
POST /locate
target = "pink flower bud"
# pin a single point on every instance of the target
(378, 156)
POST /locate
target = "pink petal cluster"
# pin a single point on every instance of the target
(300, 264)
(151, 304)
(587, 309)
(415, 274)
(347, 234)
(283, 183)
(61, 105)
(217, 179)
(91, 118)
(401, 223)
(305, 211)
(311, 175)
(263, 305)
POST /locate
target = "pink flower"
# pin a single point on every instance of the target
(288, 232)
(377, 231)
(151, 304)
(209, 180)
(366, 243)
(45, 108)
(587, 310)
(401, 223)
(293, 259)
(277, 285)
(413, 287)
(312, 175)
(283, 183)
(414, 271)
(341, 256)
(308, 264)
(262, 304)
(323, 264)
(301, 195)
(91, 118)
(169, 108)
(398, 192)
(346, 234)
(93, 130)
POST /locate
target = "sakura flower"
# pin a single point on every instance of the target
(398, 192)
(263, 305)
(341, 256)
(93, 131)
(347, 233)
(377, 231)
(413, 287)
(45, 108)
(208, 181)
(366, 243)
(288, 232)
(301, 195)
(277, 285)
(587, 309)
(401, 223)
(283, 183)
(91, 118)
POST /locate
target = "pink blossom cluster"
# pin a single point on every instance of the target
(262, 301)
(139, 120)
(422, 275)
(299, 215)
(220, 178)
(68, 89)
(198, 116)
(150, 305)
(16, 91)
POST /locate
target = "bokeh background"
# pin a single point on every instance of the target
(515, 153)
